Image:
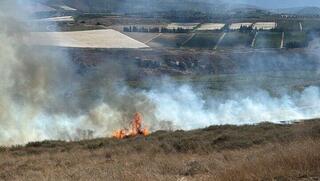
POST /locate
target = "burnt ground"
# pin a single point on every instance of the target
(250, 152)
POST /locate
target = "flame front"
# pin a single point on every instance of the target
(136, 128)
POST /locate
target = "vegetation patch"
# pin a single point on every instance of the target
(237, 39)
(170, 40)
(296, 40)
(204, 40)
(268, 40)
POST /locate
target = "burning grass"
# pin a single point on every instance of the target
(135, 130)
(257, 152)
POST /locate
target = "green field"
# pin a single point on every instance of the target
(236, 39)
(268, 40)
(171, 40)
(289, 25)
(204, 40)
(311, 25)
(295, 39)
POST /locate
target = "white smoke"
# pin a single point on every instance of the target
(188, 110)
(42, 97)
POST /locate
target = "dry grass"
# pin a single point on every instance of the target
(211, 26)
(107, 38)
(293, 161)
(288, 152)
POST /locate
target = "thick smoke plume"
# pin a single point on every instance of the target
(44, 97)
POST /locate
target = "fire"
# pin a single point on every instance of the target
(136, 128)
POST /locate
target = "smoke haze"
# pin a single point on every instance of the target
(43, 96)
(276, 4)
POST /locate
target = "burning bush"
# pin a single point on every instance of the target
(136, 128)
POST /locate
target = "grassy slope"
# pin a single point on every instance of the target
(265, 151)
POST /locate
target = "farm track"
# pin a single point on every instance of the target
(220, 40)
(153, 38)
(282, 40)
(254, 40)
(186, 41)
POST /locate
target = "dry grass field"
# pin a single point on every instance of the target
(257, 152)
(107, 38)
(211, 26)
(265, 25)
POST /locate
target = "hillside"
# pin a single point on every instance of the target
(303, 11)
(251, 152)
(138, 6)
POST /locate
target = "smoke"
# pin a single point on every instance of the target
(275, 4)
(188, 109)
(43, 96)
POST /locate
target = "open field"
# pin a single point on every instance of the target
(268, 40)
(170, 40)
(297, 38)
(289, 25)
(142, 37)
(257, 152)
(85, 39)
(204, 40)
(310, 25)
(236, 40)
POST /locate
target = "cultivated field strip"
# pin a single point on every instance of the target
(237, 26)
(211, 26)
(85, 39)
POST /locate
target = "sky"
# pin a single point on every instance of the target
(275, 4)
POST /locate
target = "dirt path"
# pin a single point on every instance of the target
(254, 40)
(148, 41)
(186, 41)
(282, 40)
(220, 40)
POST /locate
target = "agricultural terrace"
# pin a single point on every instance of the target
(237, 26)
(265, 25)
(211, 26)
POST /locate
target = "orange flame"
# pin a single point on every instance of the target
(136, 128)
